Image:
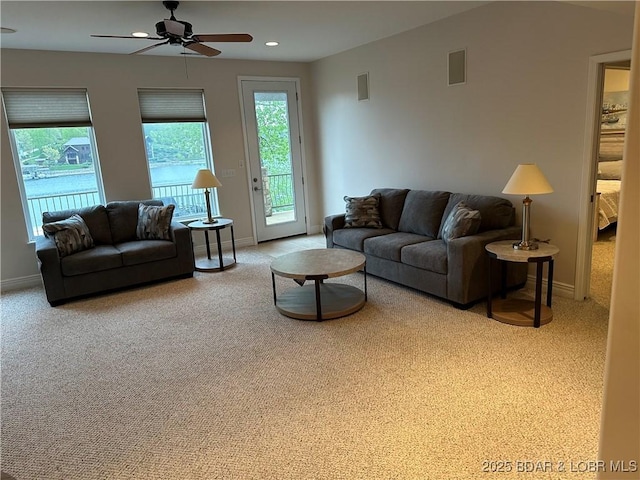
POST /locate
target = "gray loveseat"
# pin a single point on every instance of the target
(116, 258)
(409, 248)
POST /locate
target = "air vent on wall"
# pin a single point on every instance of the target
(457, 67)
(363, 86)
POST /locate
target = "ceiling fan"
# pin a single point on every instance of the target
(178, 32)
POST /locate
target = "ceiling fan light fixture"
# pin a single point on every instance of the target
(272, 44)
(180, 33)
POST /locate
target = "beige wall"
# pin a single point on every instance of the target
(112, 82)
(616, 80)
(524, 101)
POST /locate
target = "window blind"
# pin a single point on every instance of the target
(162, 106)
(33, 108)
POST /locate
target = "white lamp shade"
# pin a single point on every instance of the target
(527, 180)
(205, 179)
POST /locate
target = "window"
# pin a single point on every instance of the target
(176, 142)
(53, 151)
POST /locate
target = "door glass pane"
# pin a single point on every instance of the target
(272, 119)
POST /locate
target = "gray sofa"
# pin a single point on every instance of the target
(409, 248)
(117, 259)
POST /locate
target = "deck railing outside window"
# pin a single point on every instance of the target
(53, 203)
(188, 202)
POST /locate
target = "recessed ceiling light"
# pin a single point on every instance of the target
(7, 30)
(140, 34)
(272, 44)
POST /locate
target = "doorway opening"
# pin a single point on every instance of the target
(604, 143)
(612, 129)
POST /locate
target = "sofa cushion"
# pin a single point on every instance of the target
(101, 257)
(495, 212)
(430, 256)
(143, 251)
(390, 246)
(462, 221)
(362, 212)
(154, 223)
(422, 212)
(71, 235)
(95, 217)
(123, 218)
(391, 203)
(353, 238)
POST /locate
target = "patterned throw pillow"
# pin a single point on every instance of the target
(461, 221)
(363, 212)
(71, 235)
(154, 222)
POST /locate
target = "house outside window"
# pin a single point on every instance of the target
(44, 125)
(177, 145)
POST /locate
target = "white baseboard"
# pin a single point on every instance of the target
(314, 229)
(21, 282)
(561, 289)
(226, 245)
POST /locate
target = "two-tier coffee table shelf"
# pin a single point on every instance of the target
(518, 311)
(320, 300)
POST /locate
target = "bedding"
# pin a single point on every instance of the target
(608, 202)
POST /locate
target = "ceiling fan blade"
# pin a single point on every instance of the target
(149, 47)
(128, 36)
(202, 49)
(222, 37)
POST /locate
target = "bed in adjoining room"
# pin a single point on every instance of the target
(608, 190)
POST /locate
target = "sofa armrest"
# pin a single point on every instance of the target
(331, 223)
(50, 268)
(178, 231)
(468, 262)
(181, 236)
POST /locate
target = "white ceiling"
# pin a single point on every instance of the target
(306, 30)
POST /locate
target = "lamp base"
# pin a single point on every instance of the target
(525, 246)
(209, 221)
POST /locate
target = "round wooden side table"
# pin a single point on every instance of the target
(516, 311)
(214, 264)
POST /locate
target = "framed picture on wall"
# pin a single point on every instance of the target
(614, 111)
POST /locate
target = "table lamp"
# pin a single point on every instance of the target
(527, 180)
(206, 179)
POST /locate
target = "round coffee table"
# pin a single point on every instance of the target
(319, 301)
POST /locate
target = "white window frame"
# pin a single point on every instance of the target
(47, 108)
(168, 106)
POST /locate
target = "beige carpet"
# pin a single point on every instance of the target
(203, 379)
(602, 257)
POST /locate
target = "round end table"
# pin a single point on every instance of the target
(218, 264)
(524, 313)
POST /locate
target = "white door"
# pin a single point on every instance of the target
(273, 139)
